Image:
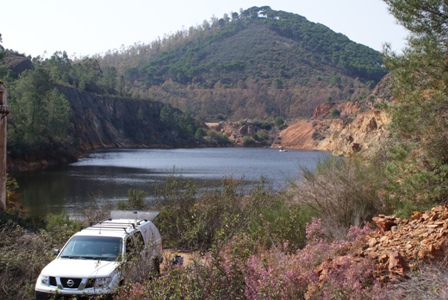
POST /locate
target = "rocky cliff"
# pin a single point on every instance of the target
(354, 131)
(100, 121)
(342, 128)
(17, 63)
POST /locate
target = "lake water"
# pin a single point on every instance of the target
(109, 174)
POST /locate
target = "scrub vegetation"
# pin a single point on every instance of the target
(289, 244)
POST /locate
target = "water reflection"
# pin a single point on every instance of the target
(109, 174)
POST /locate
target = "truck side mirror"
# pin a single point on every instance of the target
(55, 251)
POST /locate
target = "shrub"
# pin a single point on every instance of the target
(279, 122)
(274, 274)
(136, 200)
(12, 196)
(95, 210)
(219, 138)
(335, 113)
(25, 252)
(61, 228)
(347, 278)
(243, 269)
(193, 220)
(342, 274)
(411, 184)
(175, 199)
(248, 141)
(278, 223)
(343, 192)
(176, 283)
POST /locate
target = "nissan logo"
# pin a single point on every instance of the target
(70, 282)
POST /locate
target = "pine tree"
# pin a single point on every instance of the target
(418, 165)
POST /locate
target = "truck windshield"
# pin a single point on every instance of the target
(92, 247)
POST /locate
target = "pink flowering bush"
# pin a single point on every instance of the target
(273, 274)
(245, 269)
(346, 278)
(176, 282)
(343, 275)
(276, 275)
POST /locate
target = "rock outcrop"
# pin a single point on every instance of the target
(100, 121)
(401, 245)
(237, 131)
(342, 128)
(17, 63)
(399, 248)
(355, 130)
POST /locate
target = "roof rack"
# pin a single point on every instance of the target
(112, 226)
(135, 215)
(124, 220)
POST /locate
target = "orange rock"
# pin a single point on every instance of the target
(384, 223)
(416, 215)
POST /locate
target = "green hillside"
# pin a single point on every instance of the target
(257, 63)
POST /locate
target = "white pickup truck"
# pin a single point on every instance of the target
(97, 259)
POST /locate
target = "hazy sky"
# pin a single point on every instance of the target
(87, 27)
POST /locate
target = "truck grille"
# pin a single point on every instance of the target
(90, 283)
(76, 282)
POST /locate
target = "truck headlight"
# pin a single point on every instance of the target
(102, 282)
(45, 280)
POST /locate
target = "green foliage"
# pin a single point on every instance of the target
(41, 115)
(135, 201)
(61, 228)
(280, 223)
(343, 192)
(335, 113)
(176, 201)
(248, 141)
(200, 133)
(242, 269)
(218, 138)
(192, 220)
(409, 186)
(26, 250)
(279, 122)
(201, 53)
(417, 165)
(248, 67)
(262, 136)
(173, 119)
(277, 83)
(11, 184)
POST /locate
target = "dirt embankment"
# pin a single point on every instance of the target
(357, 128)
(343, 128)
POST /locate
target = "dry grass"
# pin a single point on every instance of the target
(428, 283)
(189, 258)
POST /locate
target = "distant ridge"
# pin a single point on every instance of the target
(254, 64)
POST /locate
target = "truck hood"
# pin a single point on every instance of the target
(80, 268)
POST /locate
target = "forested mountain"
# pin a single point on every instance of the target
(254, 64)
(257, 64)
